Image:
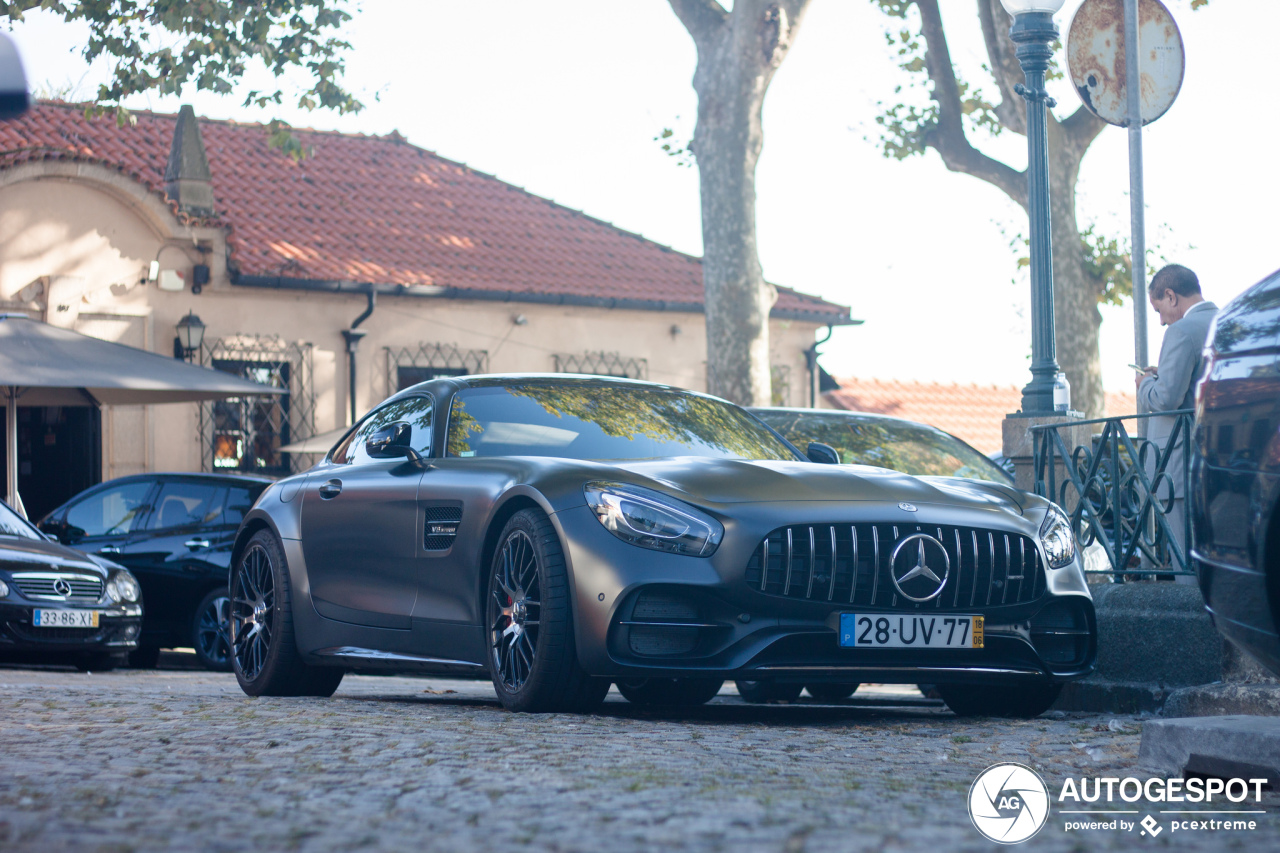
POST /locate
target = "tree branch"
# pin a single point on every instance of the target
(948, 137)
(1081, 128)
(702, 18)
(1004, 65)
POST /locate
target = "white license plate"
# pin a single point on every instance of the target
(892, 631)
(65, 618)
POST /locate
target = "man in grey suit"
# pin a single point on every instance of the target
(1176, 297)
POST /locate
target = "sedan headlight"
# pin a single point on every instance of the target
(1056, 537)
(4, 590)
(123, 586)
(652, 520)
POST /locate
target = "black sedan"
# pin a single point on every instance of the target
(174, 532)
(1235, 473)
(562, 533)
(58, 606)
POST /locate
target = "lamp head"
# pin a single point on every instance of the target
(1021, 7)
(191, 332)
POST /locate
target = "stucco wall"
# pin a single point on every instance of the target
(77, 242)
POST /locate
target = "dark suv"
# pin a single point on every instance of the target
(1235, 472)
(174, 532)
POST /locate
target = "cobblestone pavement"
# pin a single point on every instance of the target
(182, 760)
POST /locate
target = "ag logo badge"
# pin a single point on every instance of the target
(1008, 803)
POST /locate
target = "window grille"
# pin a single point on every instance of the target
(408, 366)
(246, 433)
(602, 364)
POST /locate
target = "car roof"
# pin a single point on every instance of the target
(192, 475)
(495, 380)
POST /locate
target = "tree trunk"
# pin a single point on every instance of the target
(738, 54)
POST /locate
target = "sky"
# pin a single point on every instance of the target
(565, 97)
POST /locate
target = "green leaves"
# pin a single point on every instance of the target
(167, 46)
(1108, 264)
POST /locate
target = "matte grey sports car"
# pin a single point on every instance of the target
(563, 533)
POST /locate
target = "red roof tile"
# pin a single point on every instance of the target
(972, 412)
(377, 209)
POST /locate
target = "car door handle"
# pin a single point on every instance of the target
(196, 543)
(331, 489)
(109, 549)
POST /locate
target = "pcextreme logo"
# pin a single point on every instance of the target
(1008, 803)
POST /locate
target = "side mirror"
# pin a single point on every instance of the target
(14, 97)
(392, 442)
(822, 453)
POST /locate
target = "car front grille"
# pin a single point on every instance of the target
(817, 562)
(85, 589)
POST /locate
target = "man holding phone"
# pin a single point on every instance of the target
(1175, 295)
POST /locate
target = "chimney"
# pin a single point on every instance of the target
(186, 179)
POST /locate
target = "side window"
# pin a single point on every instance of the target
(239, 501)
(415, 411)
(184, 503)
(109, 512)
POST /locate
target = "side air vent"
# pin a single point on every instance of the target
(441, 527)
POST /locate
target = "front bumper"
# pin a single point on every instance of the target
(21, 640)
(701, 617)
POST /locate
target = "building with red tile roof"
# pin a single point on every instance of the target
(972, 412)
(378, 210)
(120, 232)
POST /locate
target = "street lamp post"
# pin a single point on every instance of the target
(1034, 33)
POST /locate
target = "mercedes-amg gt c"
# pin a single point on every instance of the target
(564, 533)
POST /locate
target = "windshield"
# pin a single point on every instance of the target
(591, 420)
(11, 524)
(901, 445)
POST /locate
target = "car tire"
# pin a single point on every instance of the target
(1021, 701)
(832, 692)
(265, 655)
(683, 692)
(534, 670)
(757, 692)
(209, 628)
(144, 657)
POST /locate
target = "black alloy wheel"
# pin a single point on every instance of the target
(264, 652)
(681, 692)
(210, 628)
(516, 608)
(253, 599)
(1024, 701)
(757, 692)
(532, 658)
(832, 692)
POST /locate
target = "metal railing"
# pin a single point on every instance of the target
(1120, 491)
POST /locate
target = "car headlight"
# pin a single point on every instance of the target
(1056, 537)
(4, 590)
(123, 586)
(652, 520)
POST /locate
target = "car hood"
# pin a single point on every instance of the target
(729, 481)
(34, 555)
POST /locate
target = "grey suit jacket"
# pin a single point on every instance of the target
(1173, 387)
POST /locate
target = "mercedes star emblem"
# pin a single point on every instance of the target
(904, 571)
(62, 588)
